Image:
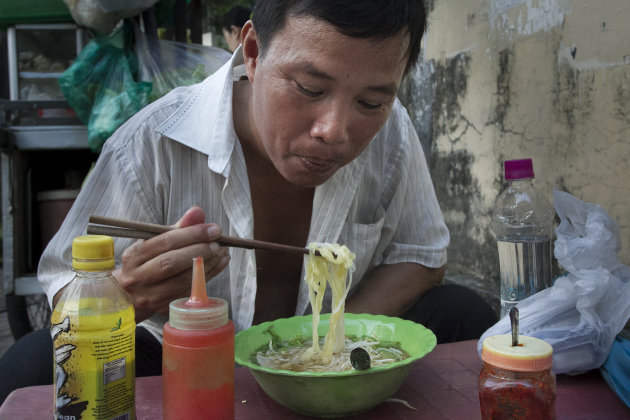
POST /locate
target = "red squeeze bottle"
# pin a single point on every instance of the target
(198, 356)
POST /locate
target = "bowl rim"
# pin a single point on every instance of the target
(421, 331)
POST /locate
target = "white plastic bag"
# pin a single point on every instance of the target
(170, 64)
(581, 314)
(104, 15)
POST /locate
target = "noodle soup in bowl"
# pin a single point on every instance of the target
(326, 393)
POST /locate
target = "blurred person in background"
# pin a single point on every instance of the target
(233, 22)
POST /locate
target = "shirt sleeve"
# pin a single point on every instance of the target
(112, 189)
(413, 222)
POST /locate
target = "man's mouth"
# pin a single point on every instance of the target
(317, 165)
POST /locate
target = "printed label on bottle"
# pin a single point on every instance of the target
(94, 364)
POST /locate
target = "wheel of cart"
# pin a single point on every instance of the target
(27, 313)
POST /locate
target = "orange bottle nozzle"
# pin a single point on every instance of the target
(198, 293)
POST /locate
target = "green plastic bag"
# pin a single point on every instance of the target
(115, 76)
(101, 85)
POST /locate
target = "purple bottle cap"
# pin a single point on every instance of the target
(519, 169)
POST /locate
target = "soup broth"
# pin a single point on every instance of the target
(294, 355)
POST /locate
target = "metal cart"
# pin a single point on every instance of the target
(44, 148)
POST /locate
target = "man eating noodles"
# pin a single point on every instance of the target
(299, 138)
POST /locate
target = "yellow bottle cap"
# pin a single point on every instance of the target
(93, 252)
(530, 355)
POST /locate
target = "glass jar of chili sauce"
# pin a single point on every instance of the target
(516, 382)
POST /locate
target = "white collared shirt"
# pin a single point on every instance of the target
(182, 151)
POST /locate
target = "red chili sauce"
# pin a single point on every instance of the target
(506, 394)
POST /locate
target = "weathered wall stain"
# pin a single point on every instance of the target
(572, 92)
(457, 188)
(533, 15)
(457, 191)
(622, 99)
(450, 84)
(417, 93)
(506, 63)
(503, 79)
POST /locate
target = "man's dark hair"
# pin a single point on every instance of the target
(373, 19)
(236, 16)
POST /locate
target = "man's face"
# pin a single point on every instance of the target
(319, 97)
(232, 37)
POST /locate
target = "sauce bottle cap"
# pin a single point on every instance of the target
(93, 253)
(530, 355)
(198, 312)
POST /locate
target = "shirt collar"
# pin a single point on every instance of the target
(204, 120)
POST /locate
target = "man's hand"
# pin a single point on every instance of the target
(157, 271)
(392, 289)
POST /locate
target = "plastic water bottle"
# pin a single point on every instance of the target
(93, 329)
(523, 223)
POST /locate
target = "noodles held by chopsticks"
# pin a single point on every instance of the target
(335, 266)
(331, 353)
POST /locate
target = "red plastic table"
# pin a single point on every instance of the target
(443, 385)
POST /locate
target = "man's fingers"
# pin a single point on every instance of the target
(160, 293)
(177, 260)
(157, 271)
(177, 239)
(215, 265)
(193, 216)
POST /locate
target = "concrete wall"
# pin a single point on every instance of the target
(507, 79)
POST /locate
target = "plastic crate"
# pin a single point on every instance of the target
(33, 11)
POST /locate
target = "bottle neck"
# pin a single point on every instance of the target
(93, 274)
(520, 181)
(183, 316)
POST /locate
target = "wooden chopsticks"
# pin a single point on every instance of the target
(102, 225)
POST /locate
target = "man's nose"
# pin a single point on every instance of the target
(332, 122)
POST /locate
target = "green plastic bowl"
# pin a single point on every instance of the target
(335, 394)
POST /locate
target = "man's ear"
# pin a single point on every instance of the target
(250, 49)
